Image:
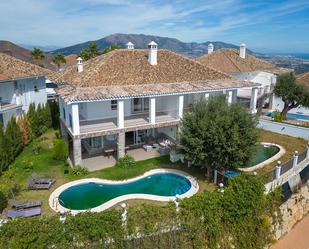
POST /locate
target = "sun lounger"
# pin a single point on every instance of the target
(42, 180)
(25, 204)
(36, 186)
(23, 213)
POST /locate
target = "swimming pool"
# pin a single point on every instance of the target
(265, 154)
(99, 194)
(297, 116)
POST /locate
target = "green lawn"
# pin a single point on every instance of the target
(43, 164)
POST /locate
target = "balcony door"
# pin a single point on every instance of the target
(140, 105)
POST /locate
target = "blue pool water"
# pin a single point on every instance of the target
(90, 195)
(298, 116)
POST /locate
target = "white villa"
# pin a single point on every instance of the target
(242, 66)
(118, 102)
(21, 84)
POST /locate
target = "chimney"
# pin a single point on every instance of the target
(242, 51)
(80, 66)
(210, 48)
(130, 45)
(152, 53)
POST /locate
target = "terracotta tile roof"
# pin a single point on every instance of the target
(75, 94)
(228, 60)
(12, 68)
(304, 78)
(71, 59)
(128, 67)
(127, 73)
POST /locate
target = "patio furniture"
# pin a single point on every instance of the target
(23, 213)
(36, 186)
(147, 147)
(109, 152)
(42, 180)
(25, 204)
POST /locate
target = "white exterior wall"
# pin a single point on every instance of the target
(168, 104)
(27, 93)
(260, 77)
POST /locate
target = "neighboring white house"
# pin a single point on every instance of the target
(133, 97)
(21, 84)
(243, 66)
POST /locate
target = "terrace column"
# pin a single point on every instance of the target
(77, 152)
(206, 96)
(121, 145)
(229, 97)
(75, 119)
(180, 106)
(254, 94)
(152, 111)
(307, 154)
(120, 114)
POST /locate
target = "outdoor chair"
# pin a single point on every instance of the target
(42, 180)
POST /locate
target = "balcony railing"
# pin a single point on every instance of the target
(137, 119)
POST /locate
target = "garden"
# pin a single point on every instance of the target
(241, 216)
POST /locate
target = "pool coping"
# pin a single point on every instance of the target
(56, 206)
(279, 154)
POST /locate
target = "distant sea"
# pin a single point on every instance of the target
(304, 56)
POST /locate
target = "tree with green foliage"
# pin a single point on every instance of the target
(39, 119)
(61, 150)
(59, 59)
(13, 138)
(111, 48)
(37, 54)
(93, 49)
(3, 202)
(4, 160)
(85, 54)
(218, 135)
(292, 93)
(54, 112)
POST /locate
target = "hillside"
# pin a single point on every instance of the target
(21, 53)
(192, 49)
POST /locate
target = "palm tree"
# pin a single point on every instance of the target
(59, 59)
(37, 54)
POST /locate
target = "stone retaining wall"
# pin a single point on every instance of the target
(293, 210)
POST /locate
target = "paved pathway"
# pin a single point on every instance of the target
(297, 238)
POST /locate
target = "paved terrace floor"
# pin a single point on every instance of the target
(102, 162)
(131, 121)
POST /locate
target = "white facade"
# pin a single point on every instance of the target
(16, 96)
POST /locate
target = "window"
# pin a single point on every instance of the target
(140, 104)
(1, 119)
(114, 104)
(36, 89)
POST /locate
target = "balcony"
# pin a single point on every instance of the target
(134, 120)
(4, 107)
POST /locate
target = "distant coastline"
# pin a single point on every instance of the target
(304, 56)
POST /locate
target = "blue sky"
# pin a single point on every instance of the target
(266, 26)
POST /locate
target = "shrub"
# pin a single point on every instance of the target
(3, 202)
(14, 141)
(277, 116)
(125, 162)
(79, 170)
(61, 150)
(24, 127)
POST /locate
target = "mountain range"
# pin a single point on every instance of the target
(191, 49)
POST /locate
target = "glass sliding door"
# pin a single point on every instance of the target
(140, 105)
